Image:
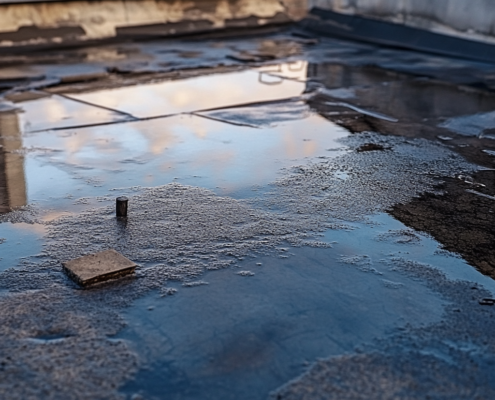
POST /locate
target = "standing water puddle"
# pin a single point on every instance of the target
(205, 92)
(242, 335)
(89, 162)
(243, 331)
(239, 337)
(17, 241)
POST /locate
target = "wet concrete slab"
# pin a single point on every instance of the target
(245, 336)
(260, 331)
(99, 267)
(262, 228)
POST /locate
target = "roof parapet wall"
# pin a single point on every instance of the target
(467, 19)
(45, 22)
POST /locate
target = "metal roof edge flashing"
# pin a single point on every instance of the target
(332, 24)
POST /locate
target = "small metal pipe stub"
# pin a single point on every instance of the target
(121, 206)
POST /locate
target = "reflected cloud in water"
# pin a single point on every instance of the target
(41, 111)
(208, 153)
(194, 94)
(211, 149)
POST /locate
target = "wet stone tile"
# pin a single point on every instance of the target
(98, 267)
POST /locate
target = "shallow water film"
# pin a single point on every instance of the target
(310, 218)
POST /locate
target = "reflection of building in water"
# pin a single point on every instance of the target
(397, 94)
(296, 70)
(12, 180)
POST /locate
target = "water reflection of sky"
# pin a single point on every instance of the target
(18, 240)
(294, 70)
(56, 112)
(44, 111)
(148, 153)
(70, 145)
(205, 92)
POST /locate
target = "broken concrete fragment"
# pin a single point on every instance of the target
(98, 267)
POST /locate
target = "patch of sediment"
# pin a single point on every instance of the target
(55, 344)
(462, 219)
(358, 183)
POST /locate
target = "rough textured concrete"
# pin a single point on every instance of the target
(331, 200)
(56, 345)
(102, 266)
(463, 221)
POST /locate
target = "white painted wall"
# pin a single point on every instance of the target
(473, 19)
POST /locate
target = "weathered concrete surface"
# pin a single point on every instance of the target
(102, 266)
(56, 345)
(467, 19)
(462, 219)
(55, 22)
(433, 335)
